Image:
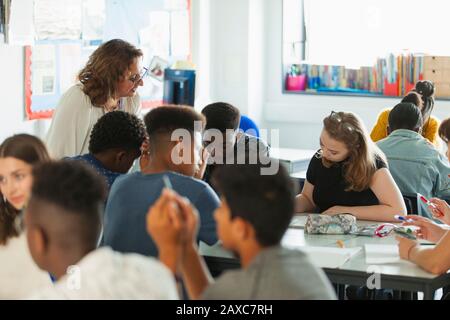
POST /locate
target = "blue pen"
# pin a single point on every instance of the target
(402, 218)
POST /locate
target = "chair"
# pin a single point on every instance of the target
(412, 203)
(248, 124)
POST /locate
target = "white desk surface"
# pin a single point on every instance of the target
(292, 154)
(296, 238)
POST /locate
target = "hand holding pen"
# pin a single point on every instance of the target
(440, 210)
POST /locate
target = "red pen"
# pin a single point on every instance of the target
(429, 203)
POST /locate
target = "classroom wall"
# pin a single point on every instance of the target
(12, 118)
(300, 116)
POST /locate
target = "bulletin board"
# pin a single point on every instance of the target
(160, 28)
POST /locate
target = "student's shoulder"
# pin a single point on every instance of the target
(75, 92)
(229, 285)
(190, 182)
(128, 180)
(384, 114)
(148, 265)
(316, 160)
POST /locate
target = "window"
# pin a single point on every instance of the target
(354, 33)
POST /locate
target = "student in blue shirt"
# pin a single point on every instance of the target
(415, 164)
(175, 149)
(115, 143)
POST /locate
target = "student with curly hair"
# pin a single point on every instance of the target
(115, 143)
(108, 82)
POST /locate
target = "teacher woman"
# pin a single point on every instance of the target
(108, 82)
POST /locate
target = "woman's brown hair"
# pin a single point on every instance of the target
(105, 69)
(31, 150)
(361, 163)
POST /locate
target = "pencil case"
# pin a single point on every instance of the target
(324, 224)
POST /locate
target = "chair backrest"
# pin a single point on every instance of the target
(247, 123)
(412, 203)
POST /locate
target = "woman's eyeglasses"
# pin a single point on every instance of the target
(138, 77)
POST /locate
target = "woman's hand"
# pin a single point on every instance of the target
(405, 246)
(427, 230)
(335, 210)
(440, 210)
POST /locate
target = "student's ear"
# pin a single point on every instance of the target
(38, 244)
(121, 156)
(180, 147)
(241, 229)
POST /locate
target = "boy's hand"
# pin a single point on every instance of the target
(191, 221)
(164, 222)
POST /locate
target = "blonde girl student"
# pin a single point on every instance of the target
(349, 174)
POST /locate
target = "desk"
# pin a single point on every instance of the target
(404, 276)
(295, 160)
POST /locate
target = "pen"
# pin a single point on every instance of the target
(402, 218)
(431, 204)
(167, 182)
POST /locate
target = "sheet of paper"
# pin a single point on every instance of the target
(56, 19)
(43, 70)
(382, 254)
(330, 257)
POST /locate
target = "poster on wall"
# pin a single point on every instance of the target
(50, 72)
(56, 19)
(43, 78)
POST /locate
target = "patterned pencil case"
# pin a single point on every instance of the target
(323, 224)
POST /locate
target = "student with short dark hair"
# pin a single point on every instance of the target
(423, 97)
(223, 119)
(174, 134)
(63, 223)
(253, 216)
(415, 164)
(114, 145)
(444, 133)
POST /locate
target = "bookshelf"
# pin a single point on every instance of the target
(390, 77)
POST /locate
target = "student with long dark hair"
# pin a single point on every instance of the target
(18, 273)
